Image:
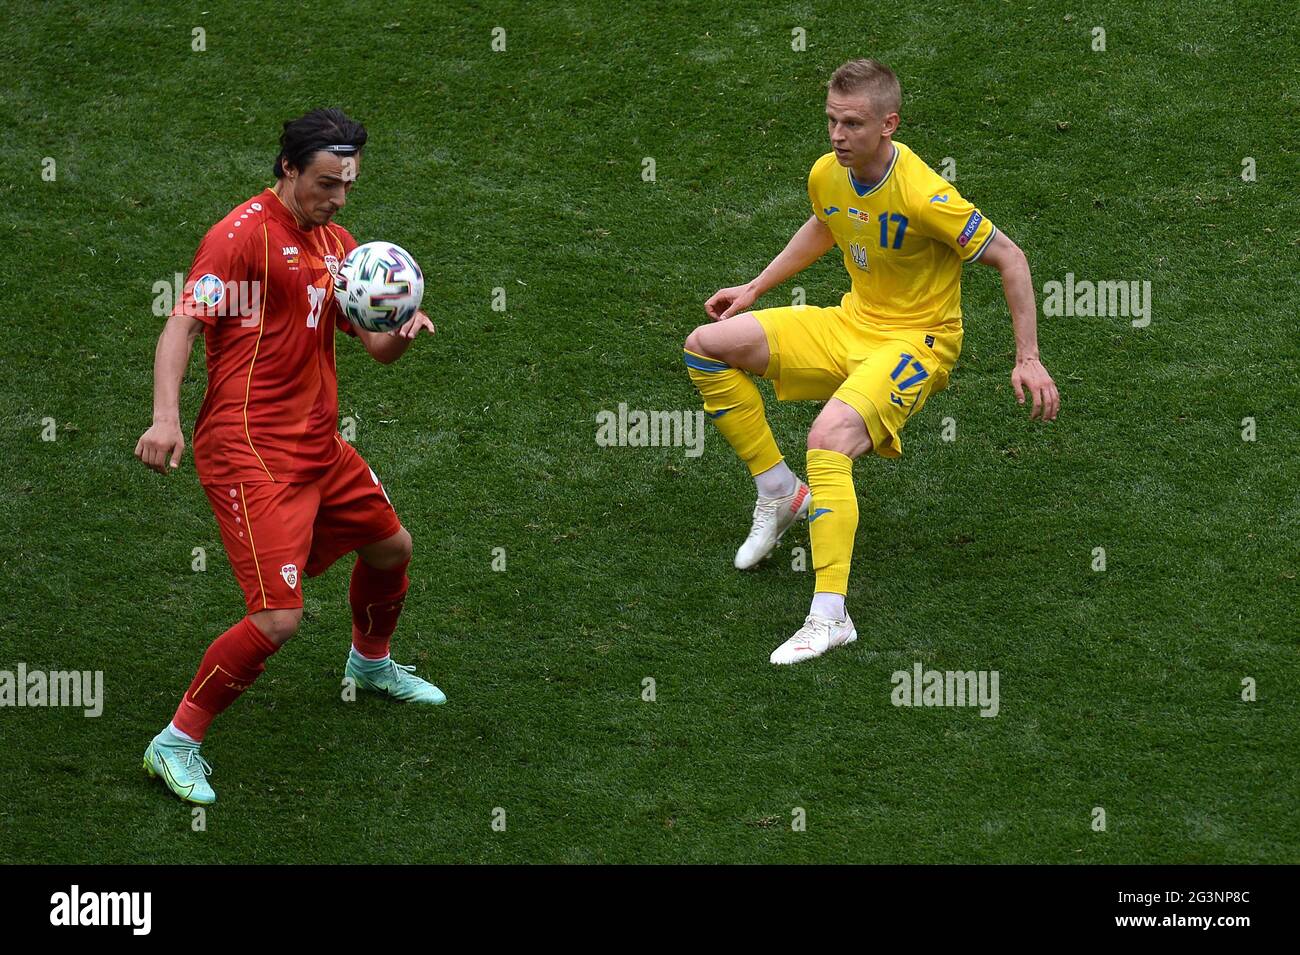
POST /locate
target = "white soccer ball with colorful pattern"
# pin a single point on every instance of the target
(379, 286)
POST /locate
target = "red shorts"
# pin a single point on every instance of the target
(277, 533)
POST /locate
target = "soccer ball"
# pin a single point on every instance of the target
(378, 286)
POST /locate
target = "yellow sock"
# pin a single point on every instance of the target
(733, 401)
(832, 519)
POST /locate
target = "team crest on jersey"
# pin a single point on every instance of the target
(209, 290)
(332, 263)
(290, 574)
(859, 256)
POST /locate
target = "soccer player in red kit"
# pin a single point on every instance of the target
(290, 496)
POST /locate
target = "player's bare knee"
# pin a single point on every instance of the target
(394, 551)
(735, 342)
(692, 342)
(278, 625)
(403, 547)
(841, 430)
(695, 342)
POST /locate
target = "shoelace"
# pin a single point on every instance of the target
(404, 680)
(389, 671)
(765, 514)
(409, 668)
(191, 755)
(820, 627)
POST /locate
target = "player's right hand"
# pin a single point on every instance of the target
(729, 301)
(162, 445)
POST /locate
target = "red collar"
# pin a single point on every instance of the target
(278, 211)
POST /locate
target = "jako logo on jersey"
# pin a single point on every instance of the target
(943, 198)
(290, 574)
(830, 211)
(332, 263)
(972, 224)
(209, 290)
(289, 250)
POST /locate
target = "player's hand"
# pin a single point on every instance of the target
(729, 301)
(419, 323)
(1030, 373)
(161, 446)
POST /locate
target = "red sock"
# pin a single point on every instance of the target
(376, 597)
(233, 661)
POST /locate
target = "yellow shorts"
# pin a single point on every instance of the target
(884, 374)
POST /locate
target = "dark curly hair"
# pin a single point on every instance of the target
(314, 131)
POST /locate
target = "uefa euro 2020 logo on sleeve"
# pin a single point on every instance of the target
(209, 291)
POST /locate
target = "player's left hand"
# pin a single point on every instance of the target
(419, 323)
(1030, 373)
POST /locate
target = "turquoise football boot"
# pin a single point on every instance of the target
(392, 679)
(181, 767)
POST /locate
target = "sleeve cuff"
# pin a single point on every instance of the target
(986, 244)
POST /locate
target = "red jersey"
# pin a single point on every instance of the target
(264, 288)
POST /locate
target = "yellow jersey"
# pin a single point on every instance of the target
(904, 240)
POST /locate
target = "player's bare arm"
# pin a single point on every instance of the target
(1029, 373)
(387, 347)
(163, 444)
(810, 243)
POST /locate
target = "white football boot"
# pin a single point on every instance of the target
(817, 635)
(772, 518)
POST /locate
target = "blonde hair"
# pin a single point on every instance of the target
(874, 79)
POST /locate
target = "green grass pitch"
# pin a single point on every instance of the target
(522, 170)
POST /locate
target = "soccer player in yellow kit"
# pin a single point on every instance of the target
(905, 233)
